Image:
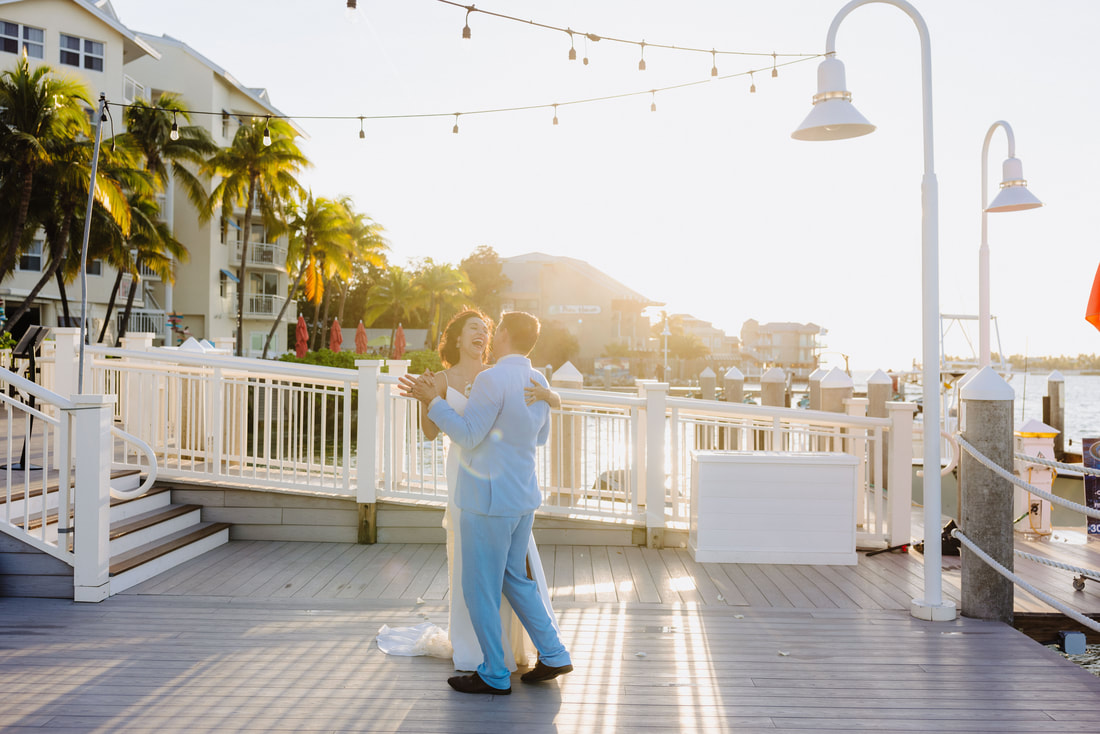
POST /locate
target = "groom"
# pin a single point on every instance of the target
(498, 494)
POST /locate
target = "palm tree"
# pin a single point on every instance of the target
(150, 129)
(253, 173)
(395, 295)
(443, 286)
(318, 229)
(38, 110)
(369, 250)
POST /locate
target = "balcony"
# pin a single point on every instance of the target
(264, 254)
(147, 274)
(147, 320)
(261, 306)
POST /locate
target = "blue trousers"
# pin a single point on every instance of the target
(494, 560)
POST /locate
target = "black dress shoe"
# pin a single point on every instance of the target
(473, 683)
(542, 672)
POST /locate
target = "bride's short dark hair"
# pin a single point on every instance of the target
(448, 340)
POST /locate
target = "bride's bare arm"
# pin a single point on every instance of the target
(431, 430)
(536, 392)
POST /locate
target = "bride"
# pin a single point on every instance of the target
(463, 350)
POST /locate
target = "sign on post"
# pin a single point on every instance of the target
(1091, 455)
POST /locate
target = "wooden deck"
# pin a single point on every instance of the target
(271, 636)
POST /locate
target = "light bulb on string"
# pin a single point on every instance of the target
(555, 114)
(641, 62)
(455, 128)
(350, 12)
(585, 59)
(466, 28)
(572, 48)
(175, 133)
(775, 70)
(752, 85)
(714, 62)
(267, 131)
(362, 133)
(653, 103)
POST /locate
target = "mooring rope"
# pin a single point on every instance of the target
(1094, 575)
(1058, 464)
(988, 560)
(1088, 511)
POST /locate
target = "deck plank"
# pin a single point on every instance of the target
(603, 577)
(625, 590)
(584, 583)
(641, 580)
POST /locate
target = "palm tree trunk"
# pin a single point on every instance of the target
(126, 313)
(242, 271)
(319, 325)
(63, 296)
(343, 300)
(110, 308)
(286, 303)
(57, 252)
(7, 264)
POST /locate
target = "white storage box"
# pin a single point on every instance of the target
(773, 507)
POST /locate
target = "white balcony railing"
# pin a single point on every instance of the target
(144, 320)
(261, 305)
(262, 253)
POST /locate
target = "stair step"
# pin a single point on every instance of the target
(35, 487)
(149, 519)
(145, 553)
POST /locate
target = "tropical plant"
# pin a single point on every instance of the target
(444, 287)
(556, 345)
(488, 282)
(38, 112)
(395, 296)
(369, 250)
(259, 167)
(151, 130)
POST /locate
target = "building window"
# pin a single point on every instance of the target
(15, 39)
(224, 234)
(81, 52)
(31, 259)
(265, 284)
(258, 338)
(225, 124)
(132, 91)
(94, 267)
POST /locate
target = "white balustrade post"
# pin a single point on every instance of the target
(899, 478)
(656, 397)
(136, 415)
(857, 447)
(708, 384)
(366, 449)
(640, 443)
(399, 368)
(226, 344)
(92, 416)
(66, 360)
(566, 451)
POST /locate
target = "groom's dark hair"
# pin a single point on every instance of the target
(523, 328)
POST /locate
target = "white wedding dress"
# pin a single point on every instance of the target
(467, 650)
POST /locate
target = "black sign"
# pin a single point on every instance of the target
(1091, 451)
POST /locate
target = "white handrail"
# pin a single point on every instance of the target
(247, 364)
(32, 388)
(151, 476)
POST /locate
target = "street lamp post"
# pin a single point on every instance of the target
(1013, 197)
(835, 118)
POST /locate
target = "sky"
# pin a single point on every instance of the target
(706, 205)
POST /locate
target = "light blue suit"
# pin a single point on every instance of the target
(498, 493)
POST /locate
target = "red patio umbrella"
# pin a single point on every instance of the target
(360, 339)
(335, 337)
(399, 343)
(1092, 312)
(301, 338)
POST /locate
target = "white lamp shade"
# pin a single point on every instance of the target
(833, 117)
(1014, 195)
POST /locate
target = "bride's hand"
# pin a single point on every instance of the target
(536, 392)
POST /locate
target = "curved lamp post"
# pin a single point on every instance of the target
(834, 118)
(1013, 197)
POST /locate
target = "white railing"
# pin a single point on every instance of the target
(262, 253)
(144, 320)
(261, 305)
(348, 433)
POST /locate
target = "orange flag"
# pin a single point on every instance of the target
(1092, 313)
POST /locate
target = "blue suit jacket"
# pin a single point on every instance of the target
(498, 433)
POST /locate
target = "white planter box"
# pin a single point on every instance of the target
(773, 507)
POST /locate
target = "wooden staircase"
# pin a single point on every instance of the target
(149, 534)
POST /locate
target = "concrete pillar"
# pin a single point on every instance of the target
(1056, 398)
(708, 383)
(836, 387)
(566, 452)
(733, 386)
(986, 513)
(773, 387)
(880, 389)
(815, 387)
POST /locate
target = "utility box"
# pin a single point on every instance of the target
(1030, 511)
(773, 507)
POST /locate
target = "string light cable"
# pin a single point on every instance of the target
(485, 111)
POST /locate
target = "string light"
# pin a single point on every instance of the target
(752, 87)
(555, 114)
(267, 131)
(572, 48)
(350, 12)
(497, 110)
(585, 59)
(775, 71)
(641, 62)
(714, 62)
(175, 133)
(466, 28)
